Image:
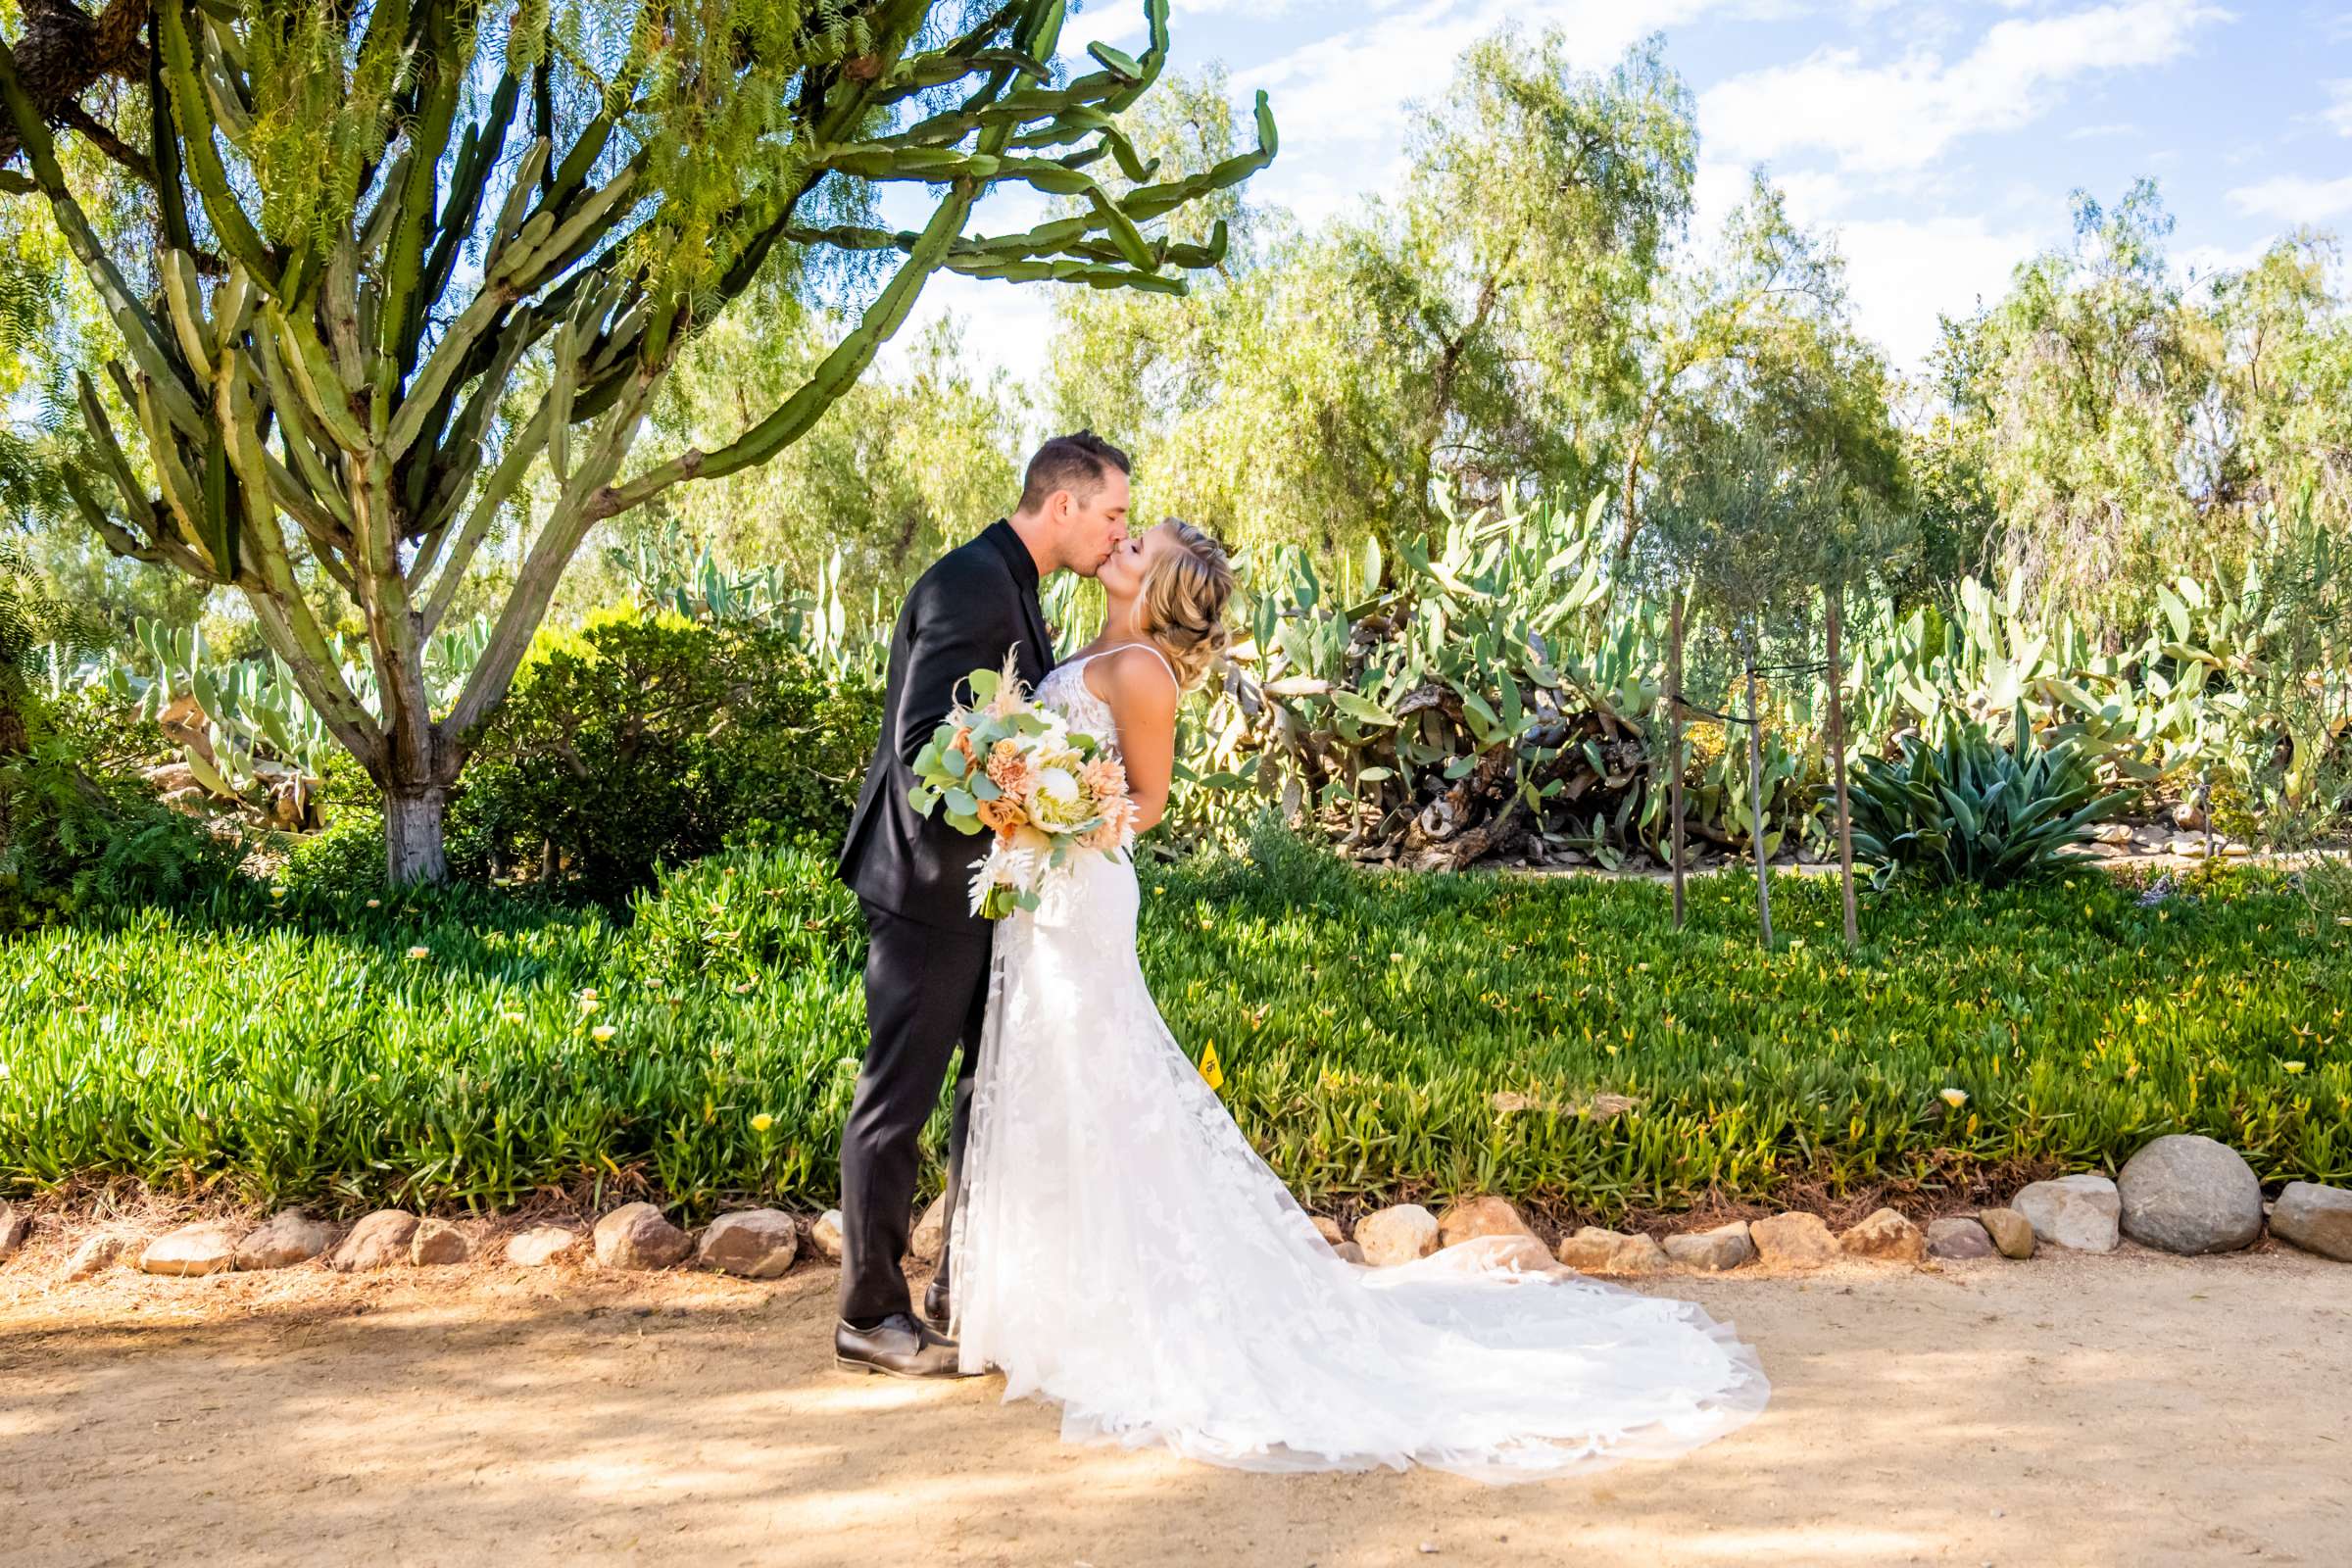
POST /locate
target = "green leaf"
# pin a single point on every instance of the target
(1363, 710)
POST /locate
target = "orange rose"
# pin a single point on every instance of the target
(1002, 814)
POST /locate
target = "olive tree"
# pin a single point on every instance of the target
(405, 253)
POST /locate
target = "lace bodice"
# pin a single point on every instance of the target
(1064, 690)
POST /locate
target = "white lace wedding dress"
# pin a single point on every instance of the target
(1121, 1249)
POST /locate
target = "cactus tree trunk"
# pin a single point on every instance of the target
(1674, 748)
(1846, 813)
(1756, 798)
(412, 842)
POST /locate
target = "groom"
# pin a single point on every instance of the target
(927, 965)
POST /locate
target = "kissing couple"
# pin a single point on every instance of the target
(1114, 1243)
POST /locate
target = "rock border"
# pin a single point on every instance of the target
(2181, 1194)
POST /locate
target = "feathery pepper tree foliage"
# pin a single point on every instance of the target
(405, 251)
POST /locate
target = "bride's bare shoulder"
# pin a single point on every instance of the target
(1133, 679)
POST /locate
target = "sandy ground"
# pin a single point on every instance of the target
(2130, 1410)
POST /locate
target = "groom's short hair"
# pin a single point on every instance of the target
(1078, 464)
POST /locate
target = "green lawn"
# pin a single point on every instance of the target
(1380, 1033)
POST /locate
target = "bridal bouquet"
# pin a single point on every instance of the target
(1001, 763)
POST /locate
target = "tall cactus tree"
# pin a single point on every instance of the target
(406, 252)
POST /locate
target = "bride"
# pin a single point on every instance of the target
(1121, 1249)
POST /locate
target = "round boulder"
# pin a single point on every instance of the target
(825, 1236)
(1479, 1217)
(543, 1244)
(635, 1236)
(2011, 1232)
(2187, 1194)
(1957, 1237)
(1726, 1246)
(1396, 1235)
(205, 1247)
(436, 1244)
(930, 1238)
(1593, 1250)
(378, 1241)
(1794, 1239)
(1887, 1235)
(94, 1256)
(753, 1243)
(283, 1240)
(2074, 1212)
(2316, 1218)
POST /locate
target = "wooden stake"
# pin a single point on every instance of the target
(1674, 745)
(1846, 816)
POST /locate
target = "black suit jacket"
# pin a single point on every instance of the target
(975, 602)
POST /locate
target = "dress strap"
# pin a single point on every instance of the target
(1145, 645)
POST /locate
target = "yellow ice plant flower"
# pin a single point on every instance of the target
(420, 952)
(588, 1004)
(1954, 1097)
(763, 1122)
(2292, 1067)
(602, 1032)
(511, 1018)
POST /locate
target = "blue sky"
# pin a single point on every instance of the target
(1937, 141)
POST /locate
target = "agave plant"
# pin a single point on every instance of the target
(1968, 809)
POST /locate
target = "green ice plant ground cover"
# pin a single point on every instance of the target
(1382, 1035)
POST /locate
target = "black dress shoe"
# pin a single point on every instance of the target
(898, 1347)
(938, 1310)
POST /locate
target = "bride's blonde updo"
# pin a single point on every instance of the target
(1182, 606)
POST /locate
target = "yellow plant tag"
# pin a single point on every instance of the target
(1210, 1072)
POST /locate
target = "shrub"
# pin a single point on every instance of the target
(1971, 810)
(80, 831)
(736, 918)
(641, 741)
(345, 860)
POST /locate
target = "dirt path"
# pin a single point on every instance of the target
(2126, 1410)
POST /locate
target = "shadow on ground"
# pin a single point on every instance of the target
(2122, 1411)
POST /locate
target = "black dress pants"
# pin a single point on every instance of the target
(926, 993)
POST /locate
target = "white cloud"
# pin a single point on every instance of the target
(2204, 260)
(1100, 22)
(1884, 118)
(1902, 274)
(2295, 198)
(1006, 325)
(1116, 22)
(1352, 86)
(2338, 113)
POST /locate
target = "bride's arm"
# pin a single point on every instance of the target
(1143, 700)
